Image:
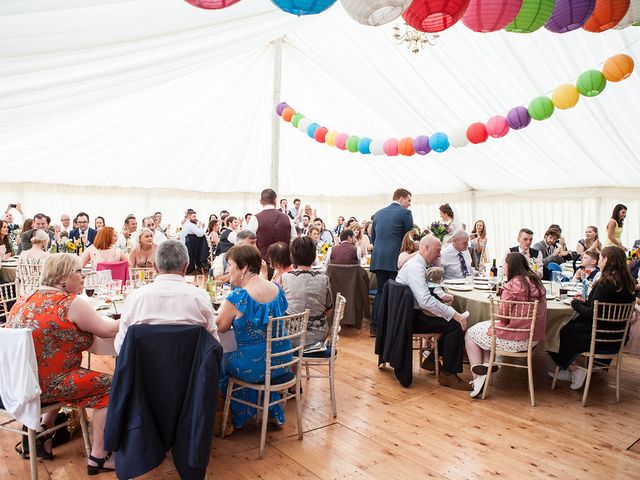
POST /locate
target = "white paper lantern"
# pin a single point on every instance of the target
(632, 16)
(377, 146)
(458, 138)
(303, 124)
(375, 12)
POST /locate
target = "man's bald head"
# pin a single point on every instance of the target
(430, 248)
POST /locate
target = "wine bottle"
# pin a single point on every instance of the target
(494, 270)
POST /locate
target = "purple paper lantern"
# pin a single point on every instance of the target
(569, 15)
(421, 145)
(281, 107)
(518, 118)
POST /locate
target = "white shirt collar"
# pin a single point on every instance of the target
(268, 207)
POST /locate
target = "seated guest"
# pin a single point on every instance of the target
(39, 222)
(280, 260)
(143, 255)
(38, 250)
(128, 238)
(9, 218)
(550, 250)
(408, 249)
(304, 226)
(478, 244)
(169, 300)
(6, 249)
(227, 236)
(248, 309)
(455, 257)
(150, 224)
(345, 253)
(433, 316)
(325, 235)
(103, 248)
(314, 234)
(63, 326)
(590, 240)
(308, 288)
(99, 223)
(83, 234)
(522, 286)
(362, 242)
(615, 286)
(589, 269)
(533, 256)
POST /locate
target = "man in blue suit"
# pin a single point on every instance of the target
(84, 232)
(389, 226)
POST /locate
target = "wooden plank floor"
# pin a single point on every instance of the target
(388, 432)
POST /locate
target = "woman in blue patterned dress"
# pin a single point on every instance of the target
(247, 309)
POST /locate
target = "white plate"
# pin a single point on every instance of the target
(550, 297)
(481, 280)
(572, 293)
(317, 267)
(566, 301)
(455, 281)
(460, 288)
(482, 287)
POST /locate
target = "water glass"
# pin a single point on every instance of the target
(200, 281)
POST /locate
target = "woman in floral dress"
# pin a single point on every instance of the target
(63, 326)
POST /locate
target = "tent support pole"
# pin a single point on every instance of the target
(275, 120)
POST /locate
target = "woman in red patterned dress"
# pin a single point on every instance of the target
(63, 326)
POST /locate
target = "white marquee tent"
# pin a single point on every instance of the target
(116, 106)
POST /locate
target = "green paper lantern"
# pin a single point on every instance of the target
(541, 108)
(352, 143)
(295, 119)
(532, 15)
(591, 83)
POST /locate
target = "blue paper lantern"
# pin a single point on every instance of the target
(363, 145)
(311, 129)
(439, 142)
(303, 7)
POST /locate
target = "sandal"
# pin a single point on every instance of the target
(99, 467)
(41, 452)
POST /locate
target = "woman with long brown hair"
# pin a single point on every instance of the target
(522, 285)
(7, 251)
(590, 240)
(478, 243)
(614, 227)
(408, 248)
(616, 285)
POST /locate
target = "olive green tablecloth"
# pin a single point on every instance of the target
(474, 301)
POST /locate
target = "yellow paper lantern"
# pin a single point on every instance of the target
(330, 138)
(565, 96)
(618, 67)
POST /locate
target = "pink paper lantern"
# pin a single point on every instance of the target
(212, 4)
(497, 126)
(490, 15)
(341, 141)
(390, 147)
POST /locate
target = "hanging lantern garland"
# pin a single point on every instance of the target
(375, 12)
(565, 96)
(532, 15)
(303, 7)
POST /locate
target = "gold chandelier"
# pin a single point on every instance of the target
(413, 39)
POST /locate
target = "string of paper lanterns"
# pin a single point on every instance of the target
(565, 96)
(433, 16)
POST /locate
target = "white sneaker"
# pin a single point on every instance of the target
(577, 378)
(478, 385)
(564, 375)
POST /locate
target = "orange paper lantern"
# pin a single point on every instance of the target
(618, 68)
(405, 147)
(287, 113)
(606, 14)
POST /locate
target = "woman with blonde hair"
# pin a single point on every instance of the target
(103, 248)
(590, 240)
(143, 255)
(38, 250)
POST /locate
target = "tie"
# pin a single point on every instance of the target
(463, 265)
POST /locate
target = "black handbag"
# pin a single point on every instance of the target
(59, 437)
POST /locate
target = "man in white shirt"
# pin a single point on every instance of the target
(65, 222)
(525, 238)
(128, 238)
(191, 225)
(169, 300)
(435, 316)
(455, 257)
(295, 212)
(150, 224)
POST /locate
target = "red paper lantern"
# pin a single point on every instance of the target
(497, 126)
(477, 133)
(405, 147)
(490, 15)
(320, 134)
(434, 15)
(606, 14)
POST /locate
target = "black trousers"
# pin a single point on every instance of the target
(451, 343)
(382, 277)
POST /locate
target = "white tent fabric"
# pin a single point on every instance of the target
(120, 105)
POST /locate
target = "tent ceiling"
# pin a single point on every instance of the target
(156, 93)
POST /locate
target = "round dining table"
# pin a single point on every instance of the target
(476, 302)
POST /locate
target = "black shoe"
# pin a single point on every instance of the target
(428, 363)
(373, 332)
(99, 467)
(483, 368)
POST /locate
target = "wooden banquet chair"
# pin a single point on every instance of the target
(17, 359)
(8, 295)
(289, 327)
(146, 274)
(331, 359)
(610, 326)
(28, 272)
(512, 310)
